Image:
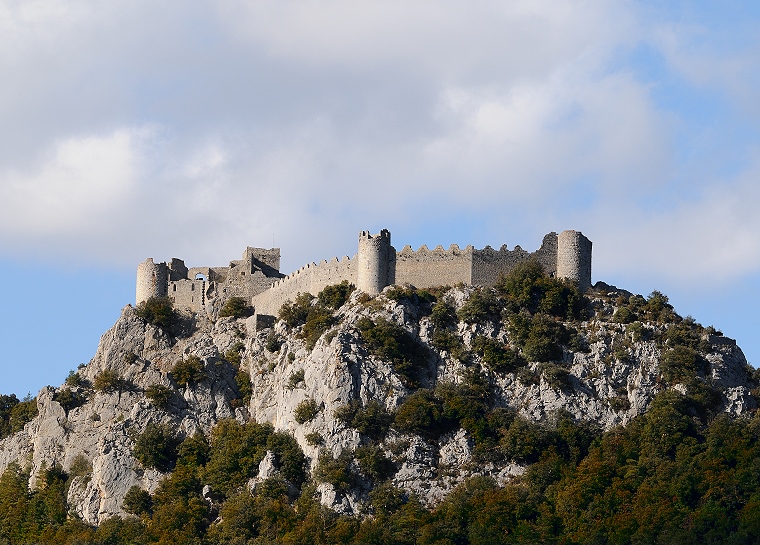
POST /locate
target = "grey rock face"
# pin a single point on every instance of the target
(604, 385)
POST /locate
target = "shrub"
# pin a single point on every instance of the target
(156, 447)
(526, 286)
(557, 377)
(194, 451)
(623, 315)
(391, 342)
(130, 358)
(68, 399)
(679, 364)
(294, 313)
(372, 420)
(420, 413)
(657, 308)
(159, 395)
(318, 321)
(295, 379)
(496, 356)
(335, 296)
(137, 501)
(524, 441)
(158, 311)
(74, 380)
(22, 412)
(188, 371)
(274, 342)
(443, 315)
(245, 387)
(335, 471)
(234, 354)
(543, 339)
(526, 377)
(481, 306)
(236, 307)
(306, 411)
(80, 466)
(374, 463)
(314, 439)
(108, 381)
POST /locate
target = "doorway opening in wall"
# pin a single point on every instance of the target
(200, 276)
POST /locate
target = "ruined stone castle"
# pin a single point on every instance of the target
(377, 264)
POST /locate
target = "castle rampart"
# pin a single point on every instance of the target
(376, 265)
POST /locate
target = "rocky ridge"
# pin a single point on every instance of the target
(613, 359)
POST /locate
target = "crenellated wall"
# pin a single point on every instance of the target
(428, 268)
(311, 278)
(376, 265)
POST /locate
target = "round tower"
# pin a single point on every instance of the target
(151, 280)
(372, 261)
(574, 258)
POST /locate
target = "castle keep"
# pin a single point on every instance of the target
(377, 264)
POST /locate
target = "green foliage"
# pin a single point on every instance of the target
(69, 399)
(480, 306)
(188, 371)
(274, 342)
(373, 420)
(496, 356)
(336, 295)
(74, 380)
(374, 463)
(390, 342)
(443, 315)
(80, 467)
(236, 307)
(657, 308)
(137, 501)
(7, 403)
(245, 386)
(541, 337)
(158, 311)
(234, 354)
(296, 378)
(306, 411)
(194, 451)
(108, 381)
(527, 287)
(130, 358)
(624, 315)
(156, 447)
(315, 318)
(314, 439)
(159, 395)
(22, 412)
(450, 342)
(236, 451)
(680, 364)
(420, 413)
(295, 313)
(335, 471)
(556, 376)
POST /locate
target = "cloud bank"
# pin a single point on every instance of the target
(197, 128)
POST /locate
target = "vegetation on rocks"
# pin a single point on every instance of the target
(525, 413)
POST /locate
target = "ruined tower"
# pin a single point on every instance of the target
(574, 258)
(151, 280)
(372, 261)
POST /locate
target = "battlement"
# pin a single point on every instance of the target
(376, 265)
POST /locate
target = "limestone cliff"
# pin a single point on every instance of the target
(608, 368)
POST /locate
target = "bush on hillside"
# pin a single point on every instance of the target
(236, 307)
(158, 311)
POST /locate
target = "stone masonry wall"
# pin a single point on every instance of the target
(428, 268)
(488, 264)
(311, 278)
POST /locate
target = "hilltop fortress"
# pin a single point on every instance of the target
(377, 264)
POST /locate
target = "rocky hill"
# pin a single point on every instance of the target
(413, 391)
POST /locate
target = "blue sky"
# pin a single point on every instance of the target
(193, 129)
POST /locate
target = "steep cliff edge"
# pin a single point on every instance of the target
(419, 389)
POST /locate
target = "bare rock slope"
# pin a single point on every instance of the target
(383, 373)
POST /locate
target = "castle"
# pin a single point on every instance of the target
(257, 278)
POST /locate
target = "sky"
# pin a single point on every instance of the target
(192, 129)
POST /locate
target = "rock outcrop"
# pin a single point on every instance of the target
(608, 373)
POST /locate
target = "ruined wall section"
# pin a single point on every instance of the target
(311, 278)
(488, 264)
(429, 268)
